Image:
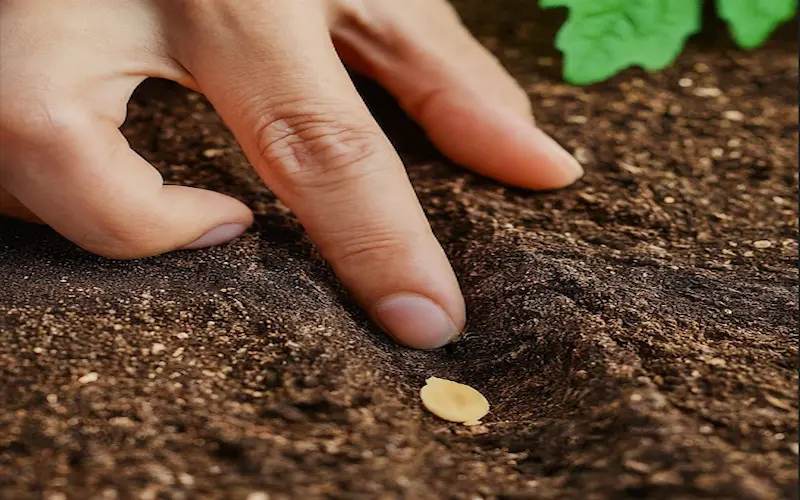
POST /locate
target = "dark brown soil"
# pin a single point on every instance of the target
(632, 340)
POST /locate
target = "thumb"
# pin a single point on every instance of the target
(78, 174)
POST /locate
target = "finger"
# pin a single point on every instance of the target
(77, 173)
(467, 103)
(288, 99)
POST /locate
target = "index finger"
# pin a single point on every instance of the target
(273, 74)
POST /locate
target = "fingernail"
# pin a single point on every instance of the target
(415, 321)
(216, 236)
(569, 163)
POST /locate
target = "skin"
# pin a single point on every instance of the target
(275, 71)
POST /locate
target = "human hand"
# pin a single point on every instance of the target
(274, 71)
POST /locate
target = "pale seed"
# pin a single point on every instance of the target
(453, 402)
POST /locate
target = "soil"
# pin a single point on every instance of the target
(633, 339)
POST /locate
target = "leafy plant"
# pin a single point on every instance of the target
(603, 37)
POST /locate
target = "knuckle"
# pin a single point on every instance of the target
(34, 120)
(318, 149)
(35, 126)
(373, 247)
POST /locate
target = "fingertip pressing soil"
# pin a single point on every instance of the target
(632, 338)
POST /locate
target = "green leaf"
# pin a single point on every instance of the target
(603, 37)
(752, 21)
